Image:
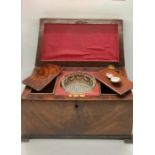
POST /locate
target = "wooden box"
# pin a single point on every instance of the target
(85, 45)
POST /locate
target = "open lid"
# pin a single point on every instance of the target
(80, 42)
(42, 76)
(120, 88)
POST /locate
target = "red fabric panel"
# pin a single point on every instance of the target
(80, 42)
(60, 91)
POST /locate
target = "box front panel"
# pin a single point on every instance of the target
(76, 118)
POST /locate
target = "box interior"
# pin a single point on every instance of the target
(50, 88)
(106, 90)
(80, 42)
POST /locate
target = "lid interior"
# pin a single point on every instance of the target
(71, 42)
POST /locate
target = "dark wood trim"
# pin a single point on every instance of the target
(121, 44)
(81, 21)
(121, 137)
(28, 96)
(25, 140)
(128, 141)
(127, 138)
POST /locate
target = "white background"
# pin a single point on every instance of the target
(144, 84)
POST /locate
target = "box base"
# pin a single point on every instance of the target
(126, 138)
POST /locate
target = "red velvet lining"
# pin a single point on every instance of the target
(80, 42)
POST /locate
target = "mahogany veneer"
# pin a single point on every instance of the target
(45, 115)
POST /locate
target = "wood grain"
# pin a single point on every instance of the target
(121, 88)
(42, 76)
(76, 118)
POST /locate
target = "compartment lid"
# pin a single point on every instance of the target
(42, 76)
(120, 88)
(80, 42)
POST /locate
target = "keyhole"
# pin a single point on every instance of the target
(76, 106)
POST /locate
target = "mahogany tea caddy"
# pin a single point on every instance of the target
(45, 115)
